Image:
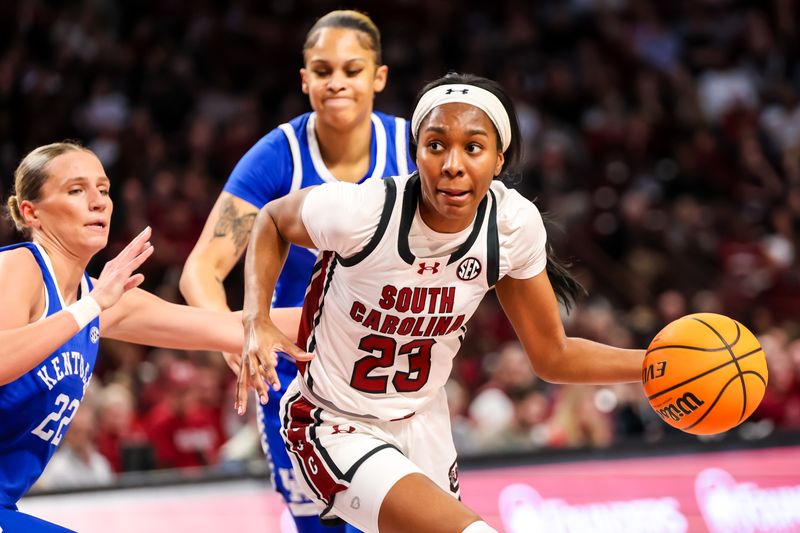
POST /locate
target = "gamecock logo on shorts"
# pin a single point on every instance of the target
(453, 475)
(469, 269)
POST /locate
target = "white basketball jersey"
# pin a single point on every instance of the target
(384, 324)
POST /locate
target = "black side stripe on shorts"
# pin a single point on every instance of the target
(350, 473)
(492, 245)
(383, 223)
(333, 467)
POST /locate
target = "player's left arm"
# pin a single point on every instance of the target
(143, 318)
(532, 308)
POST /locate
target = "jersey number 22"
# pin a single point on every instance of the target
(53, 435)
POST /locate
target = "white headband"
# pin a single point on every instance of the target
(465, 94)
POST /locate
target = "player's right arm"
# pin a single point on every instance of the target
(221, 244)
(312, 218)
(24, 345)
(25, 341)
(277, 225)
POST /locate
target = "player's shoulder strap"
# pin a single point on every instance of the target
(396, 145)
(492, 244)
(401, 144)
(390, 188)
(297, 162)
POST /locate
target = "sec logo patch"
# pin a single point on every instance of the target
(469, 269)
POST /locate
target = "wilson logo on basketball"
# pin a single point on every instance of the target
(683, 406)
(469, 269)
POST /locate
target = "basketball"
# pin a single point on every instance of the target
(704, 373)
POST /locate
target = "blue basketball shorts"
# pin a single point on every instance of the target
(12, 521)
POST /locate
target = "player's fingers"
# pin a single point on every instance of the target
(241, 391)
(256, 380)
(136, 261)
(233, 362)
(296, 353)
(136, 242)
(133, 281)
(271, 377)
(271, 372)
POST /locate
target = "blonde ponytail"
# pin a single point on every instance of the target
(13, 211)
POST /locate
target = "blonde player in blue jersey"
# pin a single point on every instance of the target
(343, 139)
(53, 314)
(366, 420)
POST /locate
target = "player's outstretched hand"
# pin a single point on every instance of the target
(234, 361)
(118, 275)
(262, 342)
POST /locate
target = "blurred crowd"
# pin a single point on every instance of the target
(663, 139)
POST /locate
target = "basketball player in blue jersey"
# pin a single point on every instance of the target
(366, 421)
(53, 314)
(343, 139)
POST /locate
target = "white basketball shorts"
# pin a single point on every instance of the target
(347, 466)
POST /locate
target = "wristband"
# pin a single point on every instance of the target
(84, 311)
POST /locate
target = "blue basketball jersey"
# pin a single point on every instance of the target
(287, 159)
(37, 408)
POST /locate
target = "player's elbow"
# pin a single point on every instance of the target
(548, 362)
(185, 281)
(187, 284)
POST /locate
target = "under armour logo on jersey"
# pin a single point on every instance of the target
(423, 267)
(468, 269)
(338, 428)
(451, 91)
(94, 334)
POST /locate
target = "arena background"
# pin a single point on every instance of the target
(664, 137)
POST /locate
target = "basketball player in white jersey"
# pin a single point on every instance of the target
(366, 421)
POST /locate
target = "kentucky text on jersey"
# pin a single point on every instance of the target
(63, 365)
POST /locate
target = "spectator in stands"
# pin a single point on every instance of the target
(183, 431)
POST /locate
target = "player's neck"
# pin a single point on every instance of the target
(67, 267)
(347, 155)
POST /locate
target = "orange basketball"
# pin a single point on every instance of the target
(704, 373)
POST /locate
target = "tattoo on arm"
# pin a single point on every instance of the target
(231, 223)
